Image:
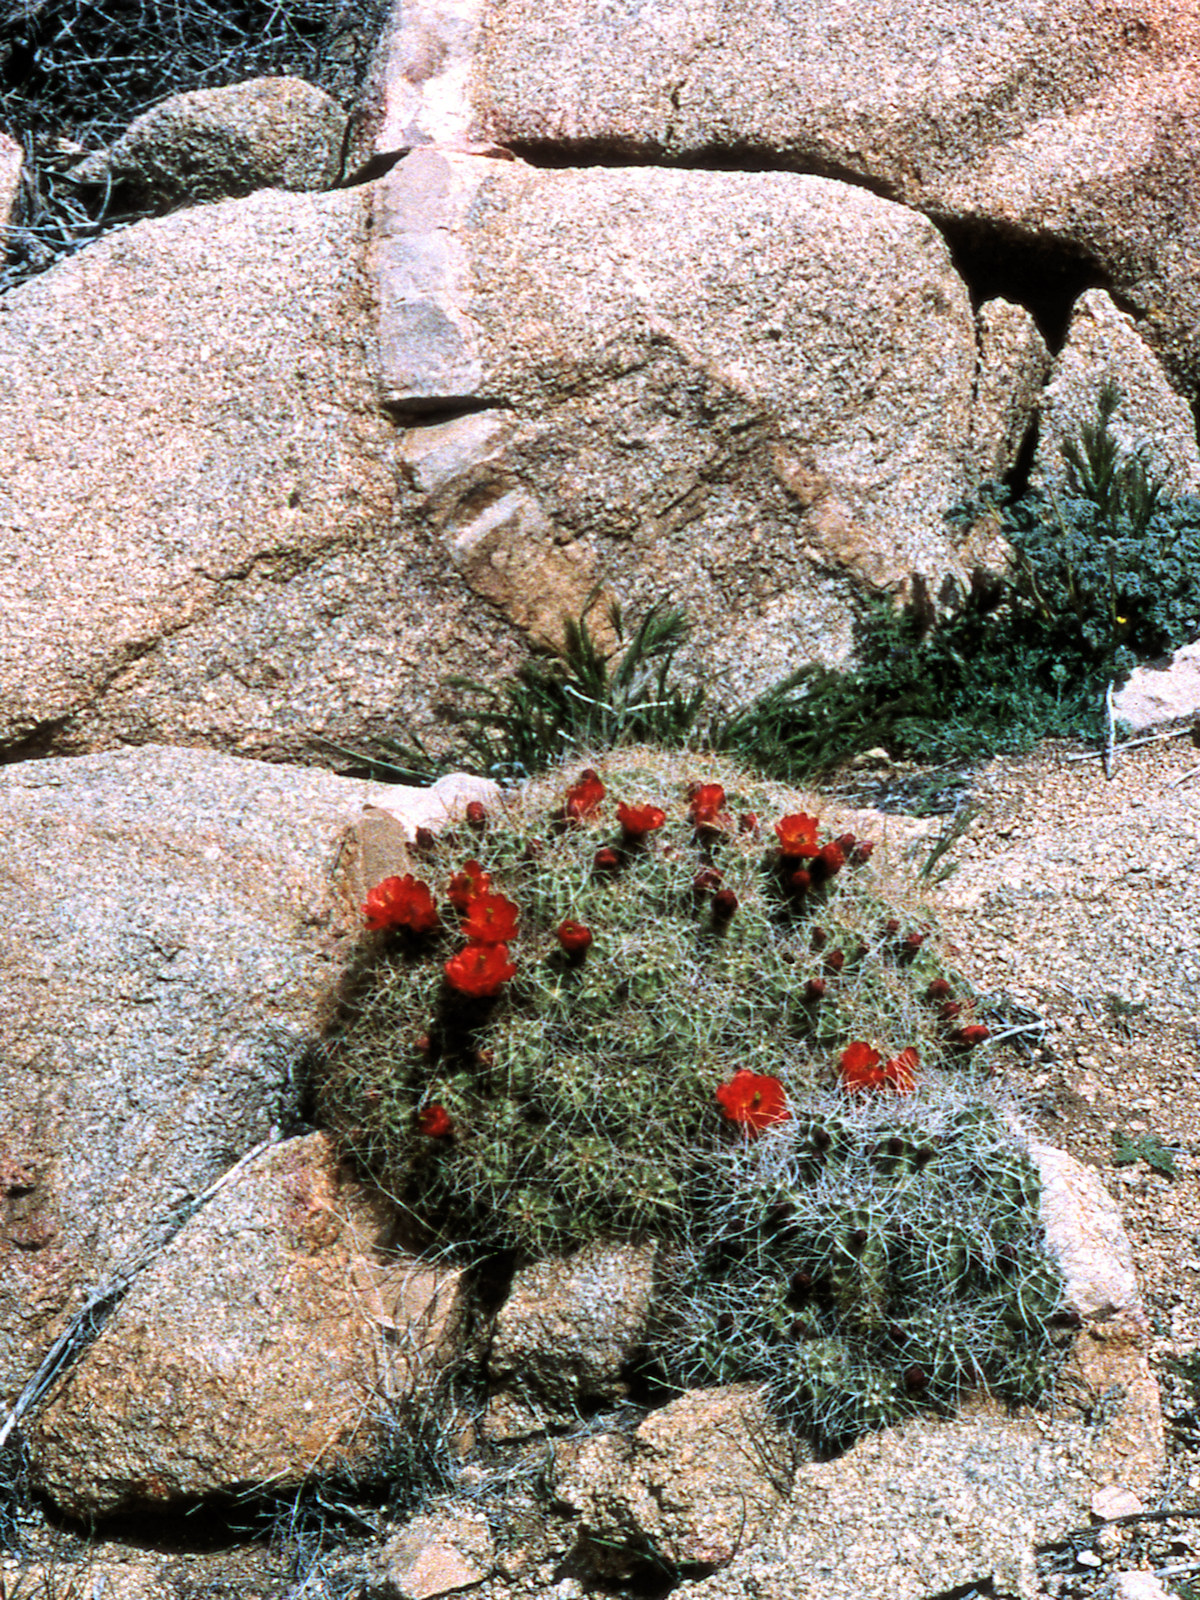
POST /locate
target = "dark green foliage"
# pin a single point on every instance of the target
(1147, 1147)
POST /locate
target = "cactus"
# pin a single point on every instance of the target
(861, 1254)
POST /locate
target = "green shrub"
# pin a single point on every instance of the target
(689, 1073)
(1102, 575)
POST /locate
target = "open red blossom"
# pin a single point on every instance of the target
(401, 903)
(575, 938)
(467, 885)
(434, 1122)
(900, 1073)
(480, 971)
(490, 919)
(753, 1101)
(584, 796)
(637, 821)
(706, 806)
(798, 835)
(860, 1068)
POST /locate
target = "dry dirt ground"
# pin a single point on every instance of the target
(1075, 901)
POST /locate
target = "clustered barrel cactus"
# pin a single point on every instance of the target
(680, 1012)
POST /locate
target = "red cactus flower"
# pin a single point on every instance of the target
(724, 904)
(753, 1101)
(490, 919)
(814, 990)
(637, 821)
(706, 881)
(401, 903)
(860, 1068)
(707, 807)
(575, 938)
(797, 835)
(970, 1036)
(606, 861)
(939, 989)
(480, 971)
(477, 816)
(900, 1073)
(584, 796)
(434, 1122)
(467, 885)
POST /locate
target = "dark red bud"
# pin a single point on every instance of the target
(724, 904)
(949, 1010)
(706, 881)
(476, 815)
(606, 861)
(800, 881)
(914, 1377)
(814, 990)
(862, 852)
(818, 939)
(426, 840)
(939, 989)
(748, 823)
(845, 842)
(892, 926)
(835, 961)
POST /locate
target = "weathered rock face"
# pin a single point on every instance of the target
(202, 534)
(700, 1480)
(12, 159)
(1062, 125)
(765, 395)
(269, 133)
(172, 941)
(1104, 345)
(263, 1346)
(566, 1335)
